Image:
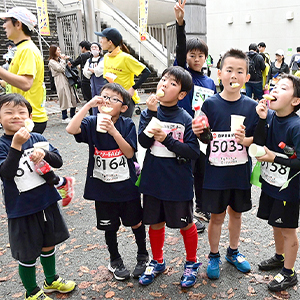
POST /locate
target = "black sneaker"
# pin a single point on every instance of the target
(142, 261)
(202, 215)
(270, 264)
(118, 269)
(282, 281)
(199, 225)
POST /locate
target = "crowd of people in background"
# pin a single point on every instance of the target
(220, 183)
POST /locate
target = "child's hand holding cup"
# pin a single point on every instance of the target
(236, 122)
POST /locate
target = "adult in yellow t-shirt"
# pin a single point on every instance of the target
(120, 67)
(25, 75)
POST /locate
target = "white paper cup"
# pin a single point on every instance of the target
(236, 122)
(154, 123)
(256, 150)
(41, 145)
(100, 117)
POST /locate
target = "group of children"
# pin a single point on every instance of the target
(166, 180)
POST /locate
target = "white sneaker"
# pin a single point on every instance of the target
(66, 121)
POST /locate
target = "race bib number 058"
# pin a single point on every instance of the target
(225, 151)
(26, 177)
(110, 166)
(274, 174)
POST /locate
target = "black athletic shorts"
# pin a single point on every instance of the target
(278, 213)
(29, 234)
(216, 201)
(109, 214)
(176, 214)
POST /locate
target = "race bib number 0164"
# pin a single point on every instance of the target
(225, 151)
(110, 166)
(274, 174)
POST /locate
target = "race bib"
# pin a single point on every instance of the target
(225, 151)
(273, 173)
(158, 149)
(27, 178)
(110, 166)
(200, 95)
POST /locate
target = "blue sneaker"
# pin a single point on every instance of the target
(213, 268)
(151, 272)
(189, 276)
(239, 261)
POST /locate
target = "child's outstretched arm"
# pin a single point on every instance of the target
(74, 126)
(180, 33)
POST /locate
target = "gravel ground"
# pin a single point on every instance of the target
(84, 257)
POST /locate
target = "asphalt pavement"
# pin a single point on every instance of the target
(84, 256)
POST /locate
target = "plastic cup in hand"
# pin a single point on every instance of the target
(100, 118)
(154, 123)
(236, 122)
(41, 145)
(256, 150)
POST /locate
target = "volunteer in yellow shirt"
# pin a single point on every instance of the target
(120, 67)
(25, 75)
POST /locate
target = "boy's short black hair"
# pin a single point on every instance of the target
(85, 44)
(115, 87)
(17, 99)
(262, 44)
(298, 49)
(253, 46)
(236, 53)
(24, 27)
(181, 76)
(196, 44)
(296, 85)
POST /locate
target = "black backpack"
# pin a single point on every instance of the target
(252, 69)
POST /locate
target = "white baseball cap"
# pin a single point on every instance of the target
(21, 14)
(280, 52)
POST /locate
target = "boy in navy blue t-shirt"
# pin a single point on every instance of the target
(280, 207)
(111, 174)
(228, 167)
(166, 178)
(35, 223)
(191, 54)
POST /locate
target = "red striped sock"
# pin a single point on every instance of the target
(157, 239)
(190, 239)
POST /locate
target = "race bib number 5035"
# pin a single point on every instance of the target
(225, 151)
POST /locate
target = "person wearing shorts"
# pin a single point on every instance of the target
(166, 178)
(228, 166)
(279, 204)
(35, 223)
(111, 175)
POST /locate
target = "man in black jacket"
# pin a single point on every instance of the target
(256, 66)
(85, 48)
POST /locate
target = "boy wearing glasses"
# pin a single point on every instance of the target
(111, 175)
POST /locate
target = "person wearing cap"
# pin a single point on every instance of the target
(277, 67)
(121, 64)
(294, 61)
(25, 75)
(256, 66)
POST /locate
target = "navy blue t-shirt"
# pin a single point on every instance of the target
(27, 193)
(110, 176)
(162, 175)
(218, 112)
(287, 130)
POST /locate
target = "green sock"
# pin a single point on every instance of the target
(28, 277)
(48, 263)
